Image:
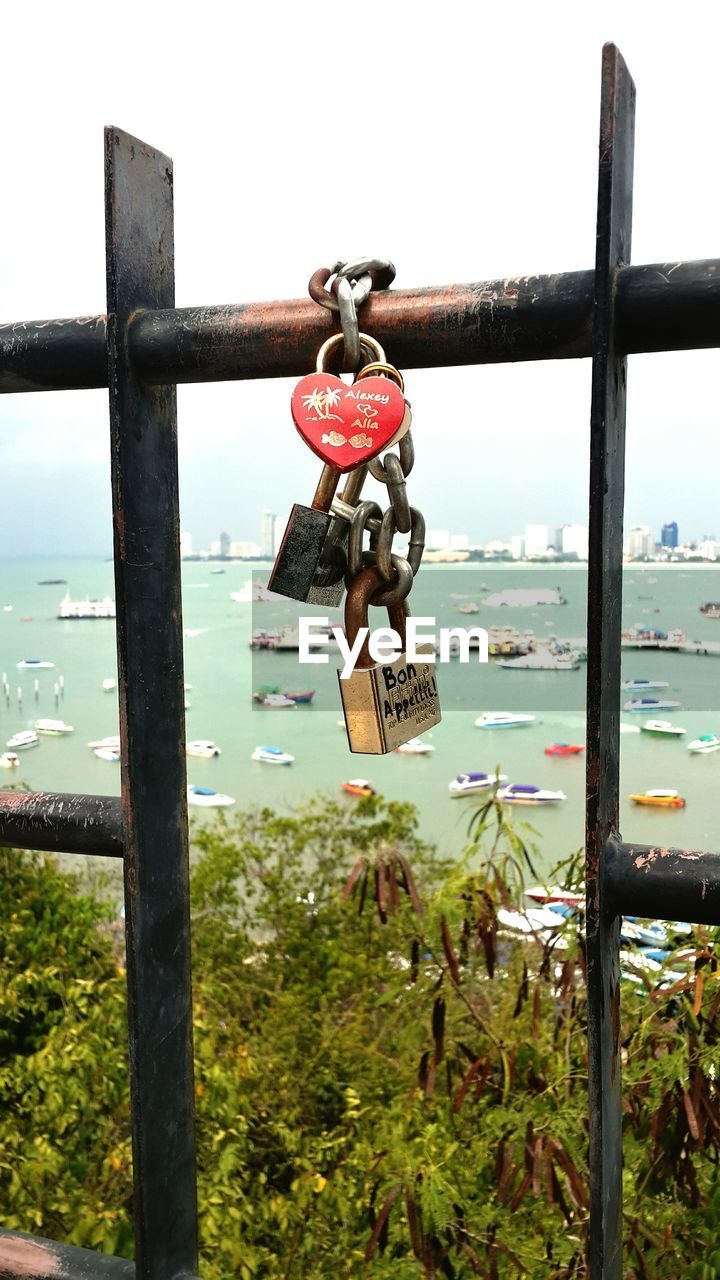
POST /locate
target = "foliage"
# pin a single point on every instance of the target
(387, 1084)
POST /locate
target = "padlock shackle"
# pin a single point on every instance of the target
(357, 603)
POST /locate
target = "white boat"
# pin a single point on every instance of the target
(568, 897)
(650, 704)
(8, 760)
(81, 609)
(19, 741)
(662, 727)
(206, 798)
(502, 720)
(34, 664)
(109, 685)
(202, 749)
(706, 743)
(541, 662)
(275, 700)
(53, 728)
(639, 686)
(470, 607)
(272, 755)
(522, 793)
(112, 742)
(107, 753)
(469, 784)
(415, 747)
(7, 608)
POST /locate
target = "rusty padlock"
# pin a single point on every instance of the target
(384, 704)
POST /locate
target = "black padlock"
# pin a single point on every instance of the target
(312, 560)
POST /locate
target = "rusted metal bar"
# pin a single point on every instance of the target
(24, 1257)
(143, 439)
(662, 884)
(665, 306)
(61, 823)
(607, 473)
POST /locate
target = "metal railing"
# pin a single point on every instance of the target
(140, 351)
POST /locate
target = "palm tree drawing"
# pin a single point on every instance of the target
(320, 402)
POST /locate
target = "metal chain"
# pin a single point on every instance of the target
(350, 289)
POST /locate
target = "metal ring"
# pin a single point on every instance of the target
(349, 325)
(363, 512)
(360, 288)
(388, 370)
(397, 493)
(332, 342)
(401, 589)
(383, 553)
(326, 298)
(383, 270)
(406, 449)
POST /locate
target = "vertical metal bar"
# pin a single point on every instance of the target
(143, 432)
(607, 474)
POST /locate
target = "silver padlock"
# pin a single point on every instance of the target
(312, 559)
(384, 704)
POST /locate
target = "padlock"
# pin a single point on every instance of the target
(384, 704)
(312, 560)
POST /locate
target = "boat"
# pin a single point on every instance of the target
(522, 793)
(202, 749)
(73, 610)
(502, 720)
(216, 571)
(358, 787)
(660, 797)
(563, 749)
(275, 700)
(107, 753)
(415, 747)
(541, 662)
(109, 685)
(662, 727)
(8, 760)
(19, 741)
(7, 608)
(206, 798)
(640, 686)
(706, 743)
(469, 784)
(274, 690)
(711, 609)
(305, 695)
(569, 897)
(470, 607)
(650, 704)
(52, 582)
(272, 755)
(112, 742)
(53, 728)
(34, 664)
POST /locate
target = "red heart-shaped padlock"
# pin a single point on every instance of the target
(347, 425)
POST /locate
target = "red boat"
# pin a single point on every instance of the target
(358, 787)
(563, 749)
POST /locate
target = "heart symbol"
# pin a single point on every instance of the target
(347, 425)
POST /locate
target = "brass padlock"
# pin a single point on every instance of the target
(384, 704)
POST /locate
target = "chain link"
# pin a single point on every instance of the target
(350, 289)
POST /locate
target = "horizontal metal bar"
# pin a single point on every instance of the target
(24, 1257)
(61, 823)
(662, 884)
(661, 307)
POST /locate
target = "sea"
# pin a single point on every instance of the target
(223, 672)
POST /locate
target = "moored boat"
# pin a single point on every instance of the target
(524, 793)
(206, 798)
(202, 749)
(53, 728)
(705, 744)
(415, 747)
(469, 784)
(662, 727)
(109, 685)
(564, 749)
(502, 720)
(660, 798)
(20, 741)
(711, 609)
(272, 755)
(112, 742)
(650, 704)
(107, 753)
(358, 787)
(306, 695)
(275, 701)
(639, 686)
(34, 664)
(8, 760)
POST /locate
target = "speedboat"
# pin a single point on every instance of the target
(502, 720)
(662, 727)
(305, 695)
(19, 741)
(109, 685)
(469, 784)
(660, 797)
(272, 755)
(206, 798)
(34, 664)
(53, 728)
(202, 749)
(640, 686)
(8, 760)
(563, 749)
(277, 700)
(415, 747)
(650, 704)
(358, 787)
(706, 743)
(112, 743)
(107, 753)
(570, 897)
(521, 793)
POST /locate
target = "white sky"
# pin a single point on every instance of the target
(459, 140)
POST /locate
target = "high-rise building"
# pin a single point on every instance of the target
(214, 548)
(709, 549)
(244, 550)
(224, 545)
(267, 535)
(574, 540)
(459, 542)
(279, 526)
(517, 546)
(536, 540)
(641, 542)
(669, 535)
(439, 540)
(185, 544)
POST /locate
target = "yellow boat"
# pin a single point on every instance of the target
(660, 797)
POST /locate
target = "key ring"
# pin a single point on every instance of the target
(333, 341)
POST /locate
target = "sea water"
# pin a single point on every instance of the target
(223, 672)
